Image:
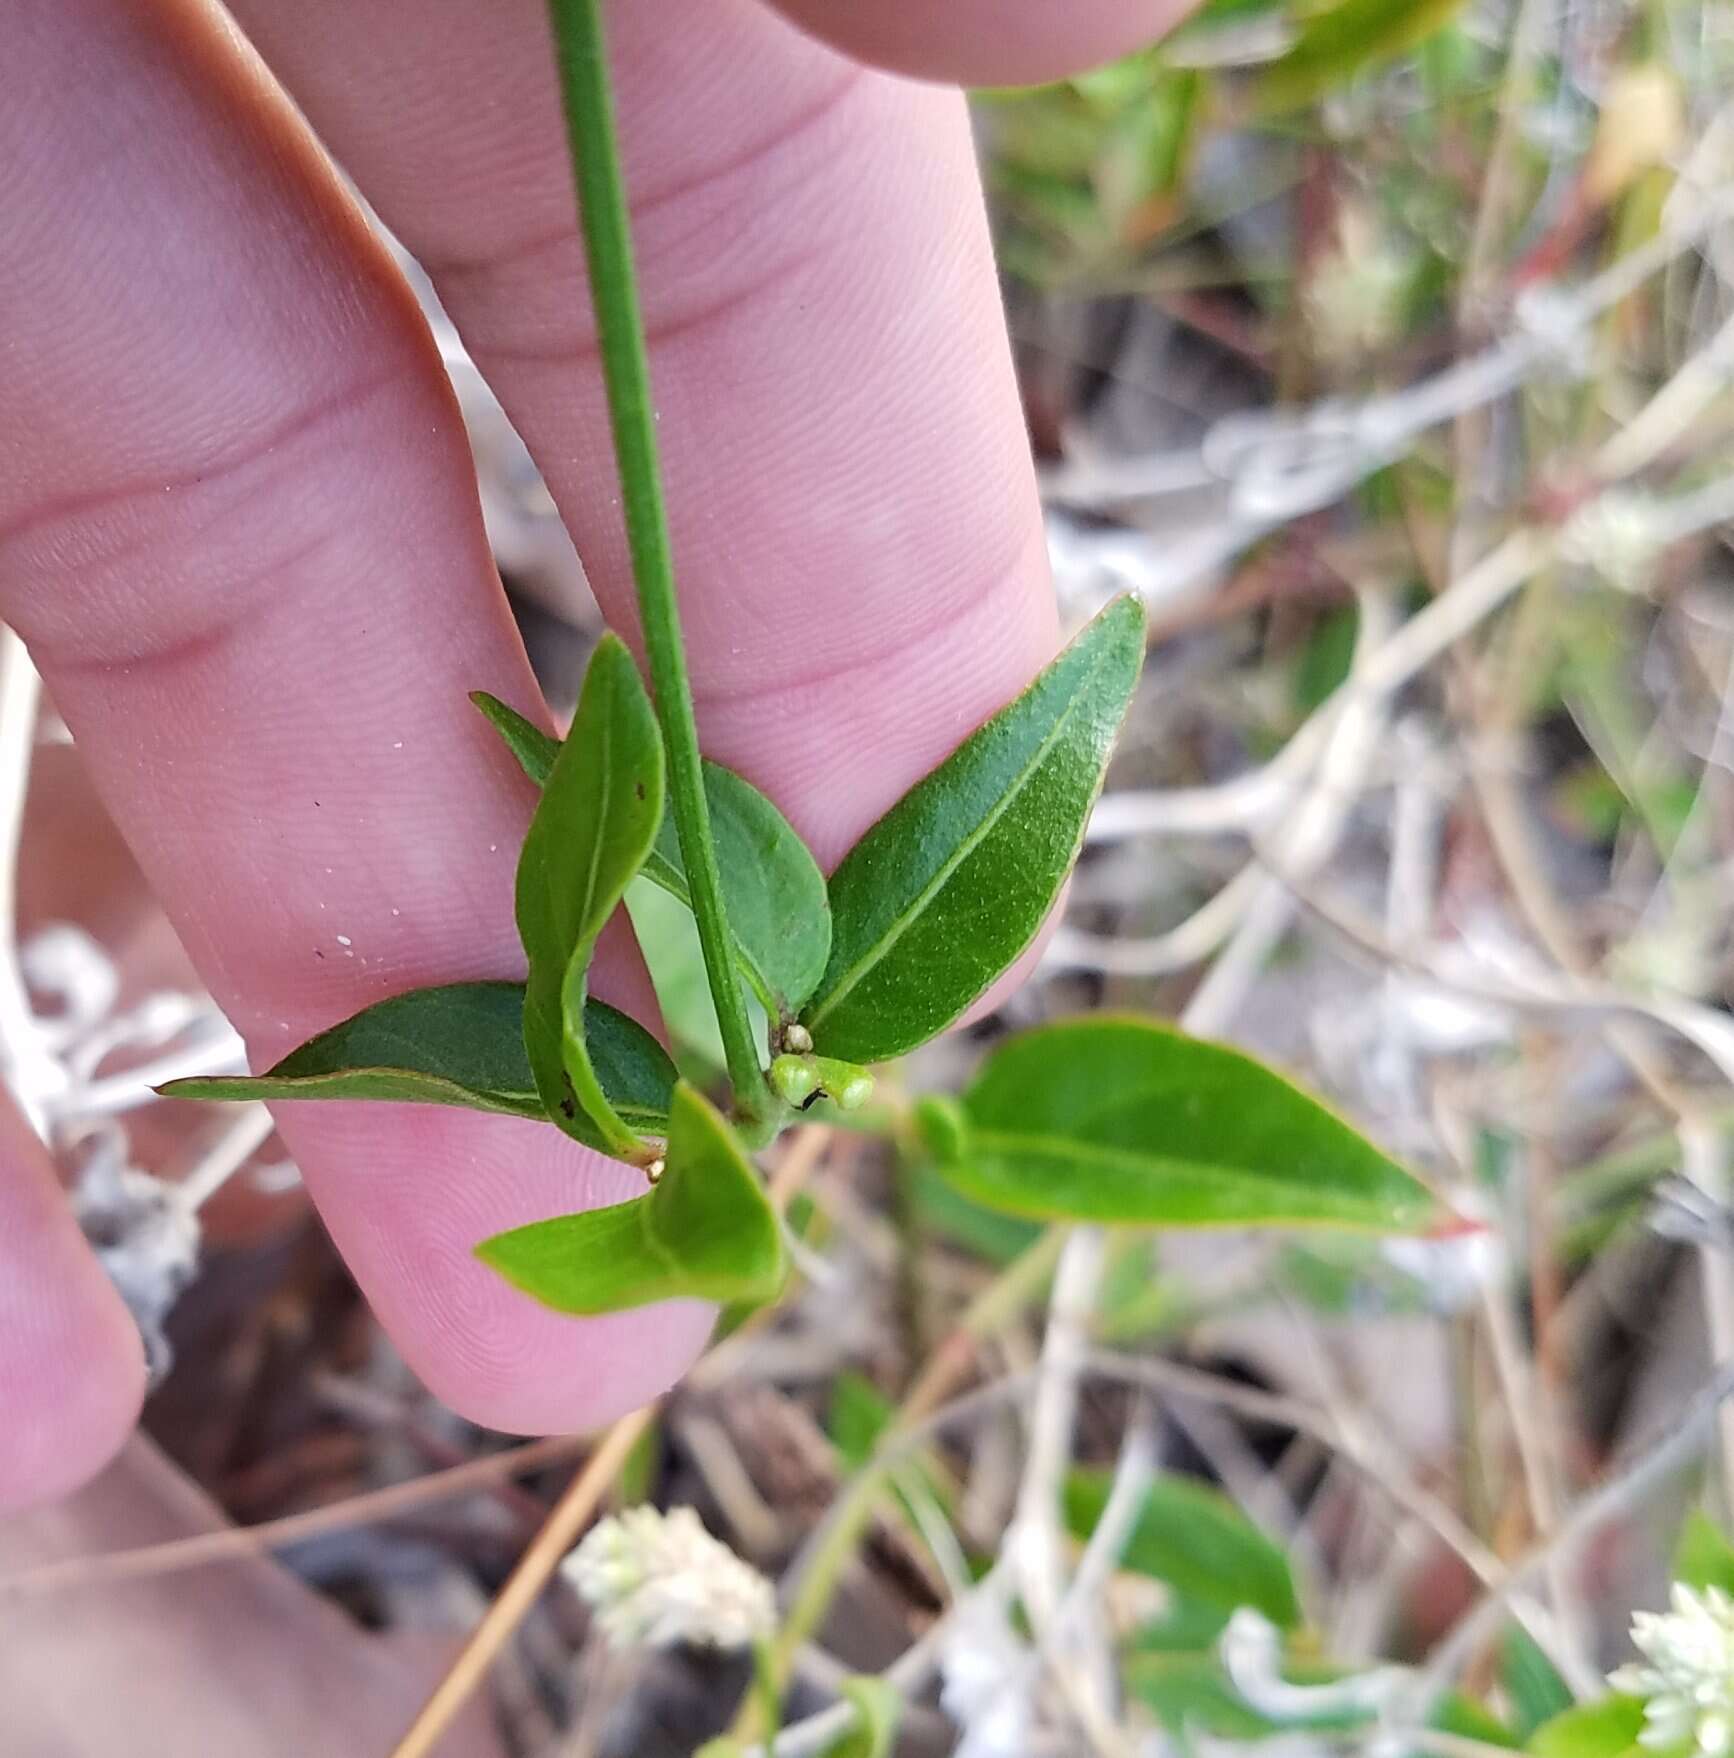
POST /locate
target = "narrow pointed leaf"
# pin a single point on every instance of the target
(461, 1044)
(705, 1231)
(945, 891)
(591, 832)
(1534, 1690)
(773, 891)
(1119, 1119)
(534, 749)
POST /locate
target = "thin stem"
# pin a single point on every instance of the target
(107, 1569)
(571, 1514)
(818, 1571)
(588, 100)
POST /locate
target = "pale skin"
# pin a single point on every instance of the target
(238, 531)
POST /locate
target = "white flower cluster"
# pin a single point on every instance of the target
(1687, 1673)
(658, 1579)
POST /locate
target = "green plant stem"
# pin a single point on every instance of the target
(995, 1307)
(589, 106)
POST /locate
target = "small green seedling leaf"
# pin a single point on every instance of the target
(1118, 1119)
(462, 1044)
(1196, 1540)
(1703, 1556)
(1607, 1728)
(591, 832)
(773, 890)
(944, 892)
(705, 1231)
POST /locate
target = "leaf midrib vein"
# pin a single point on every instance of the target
(1024, 1144)
(882, 947)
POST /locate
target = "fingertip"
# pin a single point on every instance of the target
(550, 1374)
(985, 42)
(436, 1184)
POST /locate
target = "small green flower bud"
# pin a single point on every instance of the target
(794, 1079)
(847, 1085)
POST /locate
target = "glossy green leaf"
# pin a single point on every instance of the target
(1338, 44)
(1607, 1728)
(878, 1709)
(773, 891)
(1118, 1119)
(462, 1044)
(705, 1231)
(595, 824)
(1703, 1557)
(945, 891)
(1194, 1538)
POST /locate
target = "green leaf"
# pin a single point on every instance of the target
(462, 1044)
(1340, 43)
(860, 1413)
(668, 937)
(705, 1231)
(534, 749)
(1608, 1728)
(1191, 1693)
(1185, 1626)
(878, 1709)
(1196, 1540)
(946, 890)
(1704, 1557)
(1118, 1119)
(1532, 1684)
(774, 893)
(985, 1232)
(591, 832)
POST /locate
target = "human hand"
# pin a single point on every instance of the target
(239, 532)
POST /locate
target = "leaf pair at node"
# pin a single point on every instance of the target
(1110, 1120)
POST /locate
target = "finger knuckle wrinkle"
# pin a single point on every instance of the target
(161, 562)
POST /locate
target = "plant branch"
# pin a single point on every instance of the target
(589, 106)
(570, 1516)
